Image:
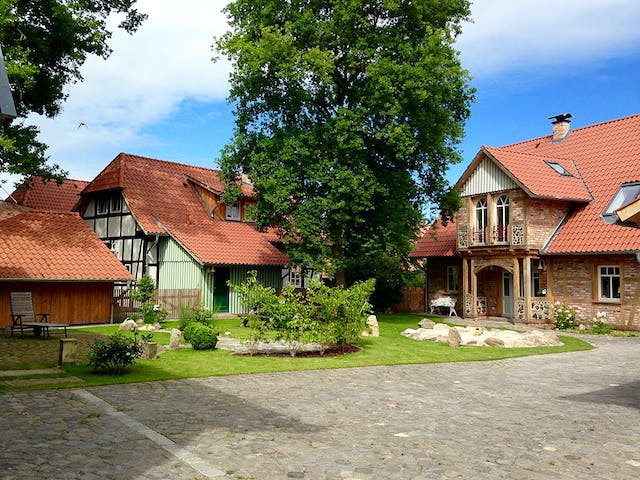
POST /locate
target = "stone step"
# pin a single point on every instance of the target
(41, 381)
(34, 371)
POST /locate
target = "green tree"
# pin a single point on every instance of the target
(348, 113)
(45, 43)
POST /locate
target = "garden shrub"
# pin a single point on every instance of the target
(149, 312)
(599, 324)
(320, 314)
(564, 316)
(200, 336)
(115, 354)
(196, 313)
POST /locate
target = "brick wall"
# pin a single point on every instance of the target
(543, 217)
(574, 281)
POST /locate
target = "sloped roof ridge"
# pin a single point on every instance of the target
(508, 150)
(197, 167)
(579, 129)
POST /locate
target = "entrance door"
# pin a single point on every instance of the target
(221, 290)
(507, 295)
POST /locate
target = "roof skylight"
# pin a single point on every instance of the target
(627, 192)
(558, 168)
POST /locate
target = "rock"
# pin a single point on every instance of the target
(419, 334)
(582, 327)
(454, 338)
(441, 328)
(174, 341)
(426, 323)
(372, 322)
(146, 327)
(128, 324)
(494, 342)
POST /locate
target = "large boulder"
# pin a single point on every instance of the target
(426, 323)
(454, 340)
(174, 341)
(128, 324)
(373, 329)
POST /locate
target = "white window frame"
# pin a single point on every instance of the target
(453, 278)
(295, 277)
(233, 211)
(115, 204)
(102, 202)
(609, 272)
(481, 220)
(502, 219)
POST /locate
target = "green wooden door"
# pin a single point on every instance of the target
(221, 290)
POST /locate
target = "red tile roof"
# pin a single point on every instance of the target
(600, 158)
(48, 196)
(40, 245)
(603, 156)
(437, 241)
(538, 178)
(164, 201)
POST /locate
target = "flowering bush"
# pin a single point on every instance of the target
(115, 354)
(564, 315)
(599, 324)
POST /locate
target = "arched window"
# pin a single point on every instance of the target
(480, 228)
(502, 220)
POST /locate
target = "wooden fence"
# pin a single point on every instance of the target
(176, 299)
(412, 301)
(171, 299)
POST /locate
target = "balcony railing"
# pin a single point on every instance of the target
(501, 234)
(479, 236)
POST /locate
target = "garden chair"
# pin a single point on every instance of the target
(24, 317)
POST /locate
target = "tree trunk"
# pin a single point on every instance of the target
(340, 277)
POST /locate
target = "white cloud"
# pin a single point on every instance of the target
(509, 36)
(168, 62)
(144, 81)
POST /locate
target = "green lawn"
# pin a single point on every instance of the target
(389, 349)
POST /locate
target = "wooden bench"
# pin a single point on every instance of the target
(23, 316)
(446, 302)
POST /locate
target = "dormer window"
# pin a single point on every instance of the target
(627, 193)
(116, 204)
(102, 205)
(558, 168)
(233, 212)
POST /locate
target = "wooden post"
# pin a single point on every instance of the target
(68, 351)
(526, 279)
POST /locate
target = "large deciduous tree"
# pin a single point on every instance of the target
(348, 113)
(44, 44)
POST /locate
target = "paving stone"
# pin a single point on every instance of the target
(535, 418)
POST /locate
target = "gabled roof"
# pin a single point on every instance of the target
(538, 178)
(163, 200)
(437, 241)
(606, 156)
(48, 196)
(39, 245)
(595, 162)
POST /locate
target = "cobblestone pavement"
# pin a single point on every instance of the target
(564, 416)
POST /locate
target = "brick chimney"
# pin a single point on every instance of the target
(561, 125)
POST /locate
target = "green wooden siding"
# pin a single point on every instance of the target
(269, 276)
(179, 270)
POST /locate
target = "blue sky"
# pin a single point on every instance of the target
(159, 94)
